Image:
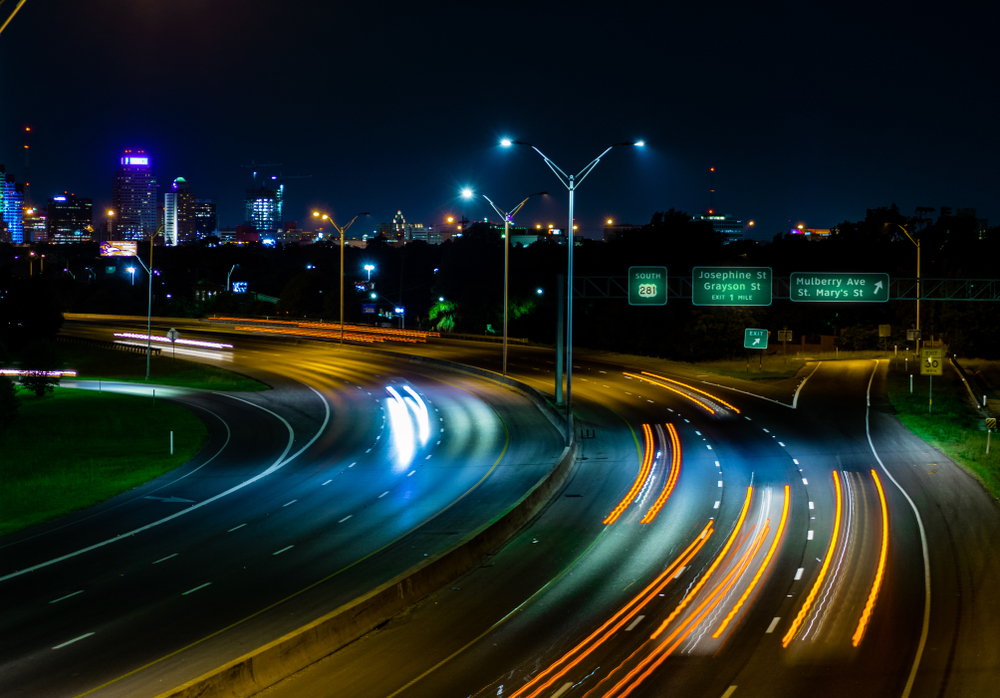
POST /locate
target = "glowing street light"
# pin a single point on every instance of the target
(340, 230)
(131, 270)
(507, 218)
(571, 182)
(369, 268)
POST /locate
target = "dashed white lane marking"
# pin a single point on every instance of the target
(352, 464)
(327, 482)
(345, 518)
(638, 619)
(410, 473)
(383, 494)
(680, 572)
(697, 432)
(439, 442)
(720, 483)
(809, 535)
(717, 464)
(428, 457)
(747, 418)
(442, 430)
(716, 505)
(795, 460)
(708, 447)
(648, 400)
(291, 502)
(805, 481)
(602, 371)
(781, 444)
(368, 451)
(811, 505)
(798, 573)
(562, 689)
(70, 642)
(278, 552)
(164, 559)
(729, 691)
(767, 430)
(772, 626)
(687, 421)
(191, 591)
(235, 528)
(63, 598)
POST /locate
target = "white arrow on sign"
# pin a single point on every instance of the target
(878, 286)
(172, 500)
(756, 341)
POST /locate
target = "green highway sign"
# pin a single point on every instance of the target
(754, 338)
(838, 287)
(647, 285)
(731, 286)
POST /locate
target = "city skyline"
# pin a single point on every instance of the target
(797, 132)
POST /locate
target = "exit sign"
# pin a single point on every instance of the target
(647, 285)
(834, 287)
(731, 286)
(754, 338)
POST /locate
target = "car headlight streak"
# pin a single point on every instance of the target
(423, 419)
(401, 428)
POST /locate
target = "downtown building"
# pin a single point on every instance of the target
(730, 229)
(179, 214)
(11, 209)
(69, 218)
(133, 198)
(262, 209)
(206, 220)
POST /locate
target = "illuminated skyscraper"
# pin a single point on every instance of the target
(70, 219)
(263, 209)
(206, 222)
(11, 209)
(134, 198)
(178, 214)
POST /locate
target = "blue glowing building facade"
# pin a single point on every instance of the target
(11, 209)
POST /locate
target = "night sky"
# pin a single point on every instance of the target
(810, 113)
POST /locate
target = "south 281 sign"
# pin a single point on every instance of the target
(647, 285)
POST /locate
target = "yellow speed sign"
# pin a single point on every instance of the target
(931, 361)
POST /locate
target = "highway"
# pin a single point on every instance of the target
(709, 542)
(349, 471)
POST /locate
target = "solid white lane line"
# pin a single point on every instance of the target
(410, 473)
(383, 494)
(278, 552)
(327, 482)
(72, 641)
(772, 626)
(191, 591)
(165, 558)
(923, 543)
(805, 481)
(798, 573)
(809, 535)
(63, 598)
(291, 502)
(634, 623)
(345, 518)
(235, 528)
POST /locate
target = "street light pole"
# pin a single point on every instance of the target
(149, 307)
(507, 218)
(917, 243)
(341, 231)
(571, 182)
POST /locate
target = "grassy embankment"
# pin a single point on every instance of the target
(952, 426)
(74, 448)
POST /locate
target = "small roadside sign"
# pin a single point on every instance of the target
(991, 422)
(931, 361)
(784, 335)
(754, 338)
(173, 334)
(368, 308)
(913, 335)
(885, 330)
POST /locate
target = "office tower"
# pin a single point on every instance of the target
(134, 198)
(178, 214)
(70, 219)
(11, 209)
(262, 209)
(206, 223)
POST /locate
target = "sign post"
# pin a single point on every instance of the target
(835, 287)
(647, 285)
(755, 339)
(731, 286)
(931, 364)
(172, 335)
(991, 424)
(785, 336)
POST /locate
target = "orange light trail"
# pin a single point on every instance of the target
(674, 390)
(760, 571)
(873, 595)
(725, 549)
(616, 622)
(647, 466)
(797, 623)
(697, 390)
(675, 471)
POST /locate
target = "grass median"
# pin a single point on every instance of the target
(74, 448)
(951, 425)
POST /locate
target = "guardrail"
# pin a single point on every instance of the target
(102, 344)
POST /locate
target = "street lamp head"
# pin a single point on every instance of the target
(466, 193)
(639, 144)
(506, 143)
(315, 213)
